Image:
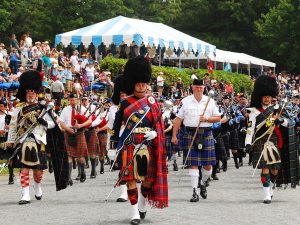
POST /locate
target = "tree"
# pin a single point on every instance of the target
(280, 33)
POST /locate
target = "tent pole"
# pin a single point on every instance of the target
(223, 66)
(237, 67)
(249, 69)
(159, 63)
(198, 62)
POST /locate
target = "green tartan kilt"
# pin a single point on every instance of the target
(257, 150)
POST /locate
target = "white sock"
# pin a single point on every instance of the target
(142, 203)
(194, 173)
(25, 194)
(135, 212)
(38, 189)
(271, 188)
(205, 175)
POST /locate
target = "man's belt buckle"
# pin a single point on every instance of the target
(141, 130)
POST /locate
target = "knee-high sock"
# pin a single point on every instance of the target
(142, 198)
(24, 178)
(11, 171)
(205, 175)
(38, 177)
(265, 179)
(70, 170)
(273, 178)
(133, 196)
(194, 173)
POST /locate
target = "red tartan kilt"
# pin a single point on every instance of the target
(102, 136)
(127, 154)
(92, 143)
(80, 150)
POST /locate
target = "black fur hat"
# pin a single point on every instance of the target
(263, 86)
(29, 80)
(117, 89)
(137, 70)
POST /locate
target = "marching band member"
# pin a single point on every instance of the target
(27, 133)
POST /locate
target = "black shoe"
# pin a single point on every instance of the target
(83, 178)
(175, 167)
(87, 166)
(135, 222)
(74, 164)
(70, 182)
(142, 214)
(51, 170)
(11, 180)
(38, 197)
(207, 182)
(78, 177)
(107, 162)
(240, 163)
(203, 191)
(218, 170)
(267, 201)
(23, 202)
(93, 176)
(237, 165)
(249, 163)
(215, 177)
(101, 169)
(121, 200)
(195, 197)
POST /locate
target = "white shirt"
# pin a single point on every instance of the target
(74, 60)
(28, 41)
(90, 71)
(2, 122)
(66, 115)
(191, 111)
(193, 77)
(160, 81)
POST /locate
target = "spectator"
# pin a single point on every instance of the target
(57, 89)
(69, 78)
(179, 88)
(24, 50)
(13, 64)
(109, 85)
(77, 87)
(14, 42)
(90, 73)
(160, 84)
(229, 88)
(28, 43)
(74, 59)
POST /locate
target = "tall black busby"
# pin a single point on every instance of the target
(137, 70)
(29, 80)
(263, 86)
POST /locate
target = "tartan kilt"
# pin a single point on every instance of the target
(234, 140)
(42, 157)
(225, 137)
(169, 146)
(80, 150)
(102, 137)
(127, 154)
(205, 157)
(257, 150)
(92, 142)
(242, 138)
(219, 147)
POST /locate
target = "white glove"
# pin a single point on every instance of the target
(150, 135)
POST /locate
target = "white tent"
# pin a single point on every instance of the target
(123, 30)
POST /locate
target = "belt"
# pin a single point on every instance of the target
(193, 129)
(141, 130)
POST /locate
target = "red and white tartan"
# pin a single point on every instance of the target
(78, 151)
(102, 136)
(92, 143)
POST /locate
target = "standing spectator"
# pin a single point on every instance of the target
(90, 73)
(160, 84)
(74, 59)
(57, 90)
(3, 56)
(179, 87)
(229, 88)
(14, 42)
(109, 85)
(24, 50)
(28, 43)
(47, 63)
(62, 75)
(69, 78)
(77, 87)
(14, 56)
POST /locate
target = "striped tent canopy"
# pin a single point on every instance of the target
(122, 30)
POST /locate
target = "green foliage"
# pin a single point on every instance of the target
(241, 82)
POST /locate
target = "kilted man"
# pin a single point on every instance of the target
(89, 110)
(195, 108)
(142, 117)
(266, 136)
(73, 124)
(27, 134)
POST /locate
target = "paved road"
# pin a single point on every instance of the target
(235, 199)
